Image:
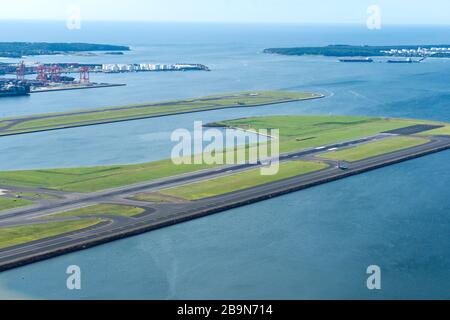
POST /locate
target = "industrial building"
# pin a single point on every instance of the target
(148, 67)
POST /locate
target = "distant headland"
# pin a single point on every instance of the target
(435, 51)
(20, 49)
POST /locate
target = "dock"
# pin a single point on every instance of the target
(74, 86)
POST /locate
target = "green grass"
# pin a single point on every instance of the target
(9, 203)
(299, 132)
(240, 181)
(441, 131)
(89, 179)
(4, 124)
(296, 133)
(36, 196)
(155, 198)
(374, 149)
(20, 235)
(100, 209)
(104, 115)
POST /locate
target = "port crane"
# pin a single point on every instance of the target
(21, 70)
(42, 73)
(52, 73)
(84, 75)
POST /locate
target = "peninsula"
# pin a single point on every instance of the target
(435, 51)
(20, 49)
(55, 211)
(80, 118)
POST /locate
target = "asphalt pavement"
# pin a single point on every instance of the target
(159, 215)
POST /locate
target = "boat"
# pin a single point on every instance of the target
(13, 90)
(409, 60)
(356, 60)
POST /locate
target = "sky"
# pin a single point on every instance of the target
(261, 11)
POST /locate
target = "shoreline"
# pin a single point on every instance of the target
(111, 121)
(93, 86)
(372, 164)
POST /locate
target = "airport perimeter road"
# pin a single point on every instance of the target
(162, 215)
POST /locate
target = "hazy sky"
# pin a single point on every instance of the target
(297, 11)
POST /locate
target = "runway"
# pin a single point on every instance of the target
(18, 126)
(159, 215)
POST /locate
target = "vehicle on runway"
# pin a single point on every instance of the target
(342, 166)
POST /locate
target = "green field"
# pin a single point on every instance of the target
(89, 179)
(299, 132)
(100, 209)
(9, 203)
(36, 196)
(441, 131)
(156, 198)
(106, 115)
(20, 235)
(296, 133)
(238, 181)
(4, 123)
(374, 149)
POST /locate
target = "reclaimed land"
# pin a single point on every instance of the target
(101, 209)
(445, 131)
(29, 242)
(234, 182)
(89, 217)
(91, 179)
(56, 121)
(301, 132)
(296, 133)
(24, 234)
(10, 203)
(374, 149)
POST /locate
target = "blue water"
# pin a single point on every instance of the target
(311, 244)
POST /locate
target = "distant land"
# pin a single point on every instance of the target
(20, 49)
(436, 51)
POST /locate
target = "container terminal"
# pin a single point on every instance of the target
(57, 77)
(48, 78)
(70, 68)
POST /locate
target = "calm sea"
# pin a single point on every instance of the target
(312, 244)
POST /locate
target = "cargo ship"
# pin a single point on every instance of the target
(356, 60)
(13, 90)
(409, 60)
